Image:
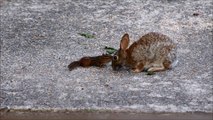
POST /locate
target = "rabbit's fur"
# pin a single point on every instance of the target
(152, 52)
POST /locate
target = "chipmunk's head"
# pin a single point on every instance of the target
(119, 58)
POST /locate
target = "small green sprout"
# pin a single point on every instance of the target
(150, 73)
(86, 35)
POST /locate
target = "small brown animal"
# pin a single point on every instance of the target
(152, 52)
(98, 61)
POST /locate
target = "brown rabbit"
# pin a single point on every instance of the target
(152, 52)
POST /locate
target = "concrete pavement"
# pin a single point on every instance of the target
(39, 38)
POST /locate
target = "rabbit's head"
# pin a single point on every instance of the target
(119, 58)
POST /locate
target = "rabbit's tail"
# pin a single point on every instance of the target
(73, 65)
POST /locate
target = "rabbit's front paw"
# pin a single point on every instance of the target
(136, 70)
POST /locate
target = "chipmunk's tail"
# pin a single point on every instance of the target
(73, 65)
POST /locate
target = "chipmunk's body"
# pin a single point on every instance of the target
(98, 61)
(152, 52)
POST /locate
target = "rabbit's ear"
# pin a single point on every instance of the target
(124, 42)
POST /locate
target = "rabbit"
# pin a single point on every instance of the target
(153, 52)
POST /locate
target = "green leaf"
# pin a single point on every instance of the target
(110, 50)
(86, 35)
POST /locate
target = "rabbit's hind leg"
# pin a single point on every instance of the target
(156, 68)
(167, 64)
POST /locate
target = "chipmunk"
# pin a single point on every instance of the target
(98, 61)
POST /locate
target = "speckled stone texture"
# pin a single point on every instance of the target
(39, 38)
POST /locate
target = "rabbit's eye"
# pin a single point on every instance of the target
(115, 57)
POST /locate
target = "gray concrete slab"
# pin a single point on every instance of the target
(39, 38)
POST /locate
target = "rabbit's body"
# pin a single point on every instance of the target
(152, 52)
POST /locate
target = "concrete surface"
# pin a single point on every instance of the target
(39, 38)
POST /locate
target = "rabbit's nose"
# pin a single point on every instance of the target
(117, 67)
